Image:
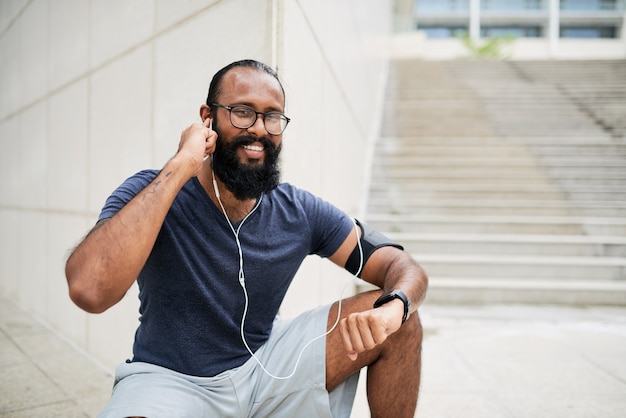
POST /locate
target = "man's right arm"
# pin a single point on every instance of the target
(105, 264)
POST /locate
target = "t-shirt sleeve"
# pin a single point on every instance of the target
(329, 225)
(125, 193)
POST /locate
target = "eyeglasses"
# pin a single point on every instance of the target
(243, 117)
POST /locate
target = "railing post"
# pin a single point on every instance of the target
(553, 27)
(474, 23)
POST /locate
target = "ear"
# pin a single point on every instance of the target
(205, 112)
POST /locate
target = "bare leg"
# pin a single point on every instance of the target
(394, 367)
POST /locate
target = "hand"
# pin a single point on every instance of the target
(362, 331)
(197, 142)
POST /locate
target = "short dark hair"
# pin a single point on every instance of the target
(216, 82)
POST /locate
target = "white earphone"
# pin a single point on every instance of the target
(242, 282)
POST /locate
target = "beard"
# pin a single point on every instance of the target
(246, 181)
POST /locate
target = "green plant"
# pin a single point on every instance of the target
(487, 48)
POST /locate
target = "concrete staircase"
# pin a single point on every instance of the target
(507, 180)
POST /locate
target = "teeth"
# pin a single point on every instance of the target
(253, 148)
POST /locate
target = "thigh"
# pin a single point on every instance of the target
(151, 391)
(289, 372)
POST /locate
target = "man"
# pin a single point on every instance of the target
(214, 240)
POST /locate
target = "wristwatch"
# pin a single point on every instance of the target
(396, 294)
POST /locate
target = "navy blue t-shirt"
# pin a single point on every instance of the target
(191, 300)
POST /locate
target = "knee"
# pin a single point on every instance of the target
(405, 345)
(410, 333)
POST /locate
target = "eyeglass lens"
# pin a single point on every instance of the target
(243, 117)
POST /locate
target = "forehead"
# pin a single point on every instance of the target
(252, 87)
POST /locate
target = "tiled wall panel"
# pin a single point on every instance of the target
(93, 91)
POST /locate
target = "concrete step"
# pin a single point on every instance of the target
(380, 196)
(553, 98)
(505, 204)
(538, 121)
(468, 154)
(618, 172)
(501, 192)
(498, 207)
(513, 244)
(537, 268)
(531, 127)
(594, 72)
(552, 140)
(469, 126)
(427, 151)
(408, 160)
(549, 111)
(612, 181)
(452, 175)
(477, 291)
(512, 181)
(538, 225)
(560, 179)
(380, 185)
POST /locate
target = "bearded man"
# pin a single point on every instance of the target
(214, 240)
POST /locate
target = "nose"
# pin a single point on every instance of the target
(258, 127)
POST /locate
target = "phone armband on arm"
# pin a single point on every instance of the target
(371, 240)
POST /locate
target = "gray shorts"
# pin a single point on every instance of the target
(147, 390)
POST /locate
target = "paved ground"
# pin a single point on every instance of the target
(524, 361)
(482, 361)
(41, 375)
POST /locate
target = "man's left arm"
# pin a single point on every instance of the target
(391, 269)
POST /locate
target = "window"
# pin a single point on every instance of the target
(590, 5)
(518, 32)
(438, 32)
(507, 5)
(438, 6)
(588, 32)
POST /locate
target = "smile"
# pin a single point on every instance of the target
(253, 147)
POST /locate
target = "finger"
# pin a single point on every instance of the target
(208, 122)
(366, 332)
(370, 331)
(209, 147)
(345, 338)
(211, 138)
(354, 332)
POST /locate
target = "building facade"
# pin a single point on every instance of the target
(520, 18)
(557, 27)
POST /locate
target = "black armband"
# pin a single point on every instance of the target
(371, 240)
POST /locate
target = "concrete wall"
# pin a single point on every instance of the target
(93, 91)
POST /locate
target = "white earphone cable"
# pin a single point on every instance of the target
(242, 282)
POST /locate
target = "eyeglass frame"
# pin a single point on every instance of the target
(256, 116)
